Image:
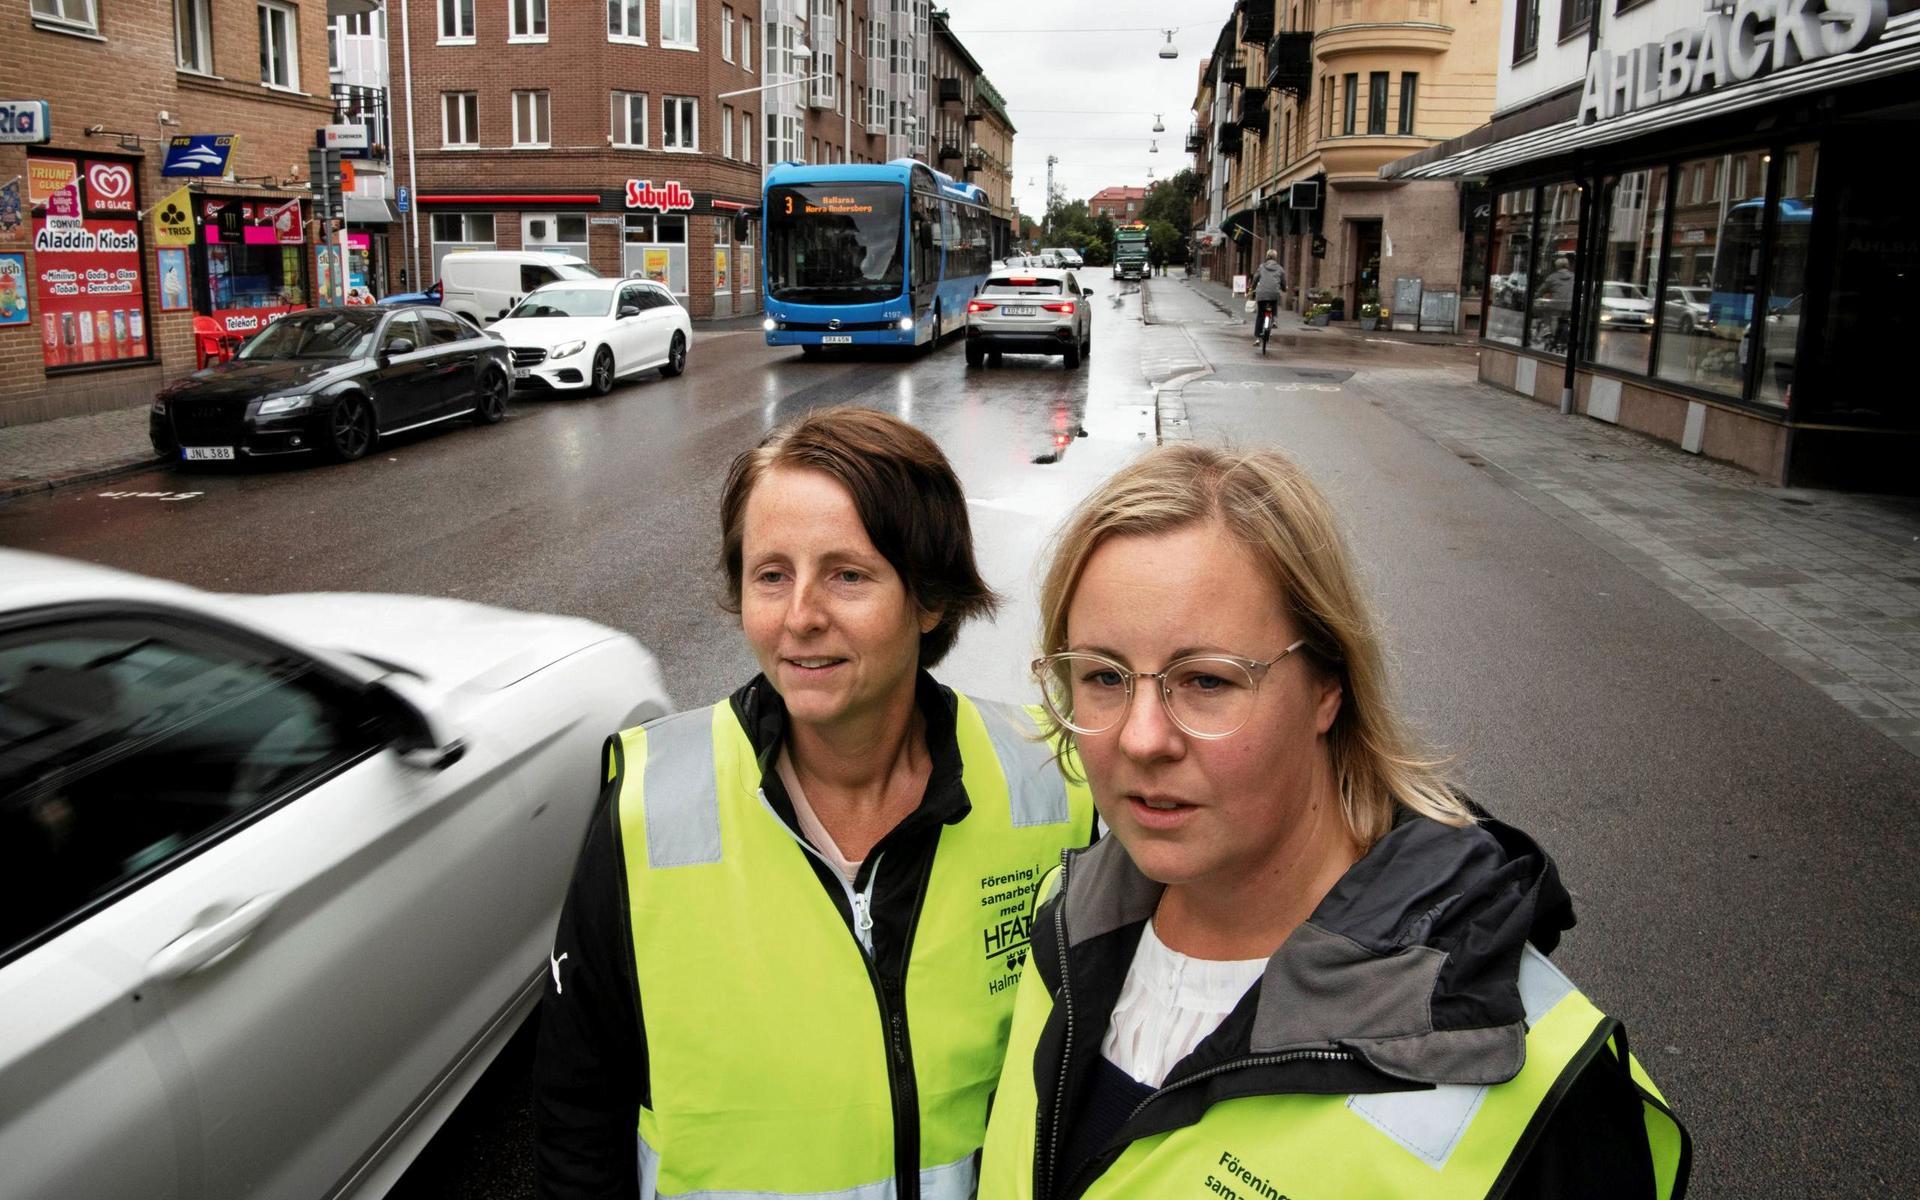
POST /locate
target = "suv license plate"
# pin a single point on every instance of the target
(207, 453)
(1020, 310)
(836, 339)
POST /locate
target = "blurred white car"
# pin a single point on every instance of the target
(279, 873)
(587, 333)
(1625, 305)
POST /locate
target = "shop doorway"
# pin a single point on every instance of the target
(1366, 262)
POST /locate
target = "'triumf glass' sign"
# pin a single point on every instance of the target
(1756, 37)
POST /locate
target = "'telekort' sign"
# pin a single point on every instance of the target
(1756, 37)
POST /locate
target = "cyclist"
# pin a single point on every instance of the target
(1267, 287)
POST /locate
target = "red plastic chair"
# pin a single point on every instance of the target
(211, 344)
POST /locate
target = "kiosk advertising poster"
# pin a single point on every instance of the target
(13, 290)
(87, 282)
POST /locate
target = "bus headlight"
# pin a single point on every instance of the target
(906, 324)
(769, 324)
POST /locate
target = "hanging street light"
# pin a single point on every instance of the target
(1159, 126)
(1169, 50)
(1153, 147)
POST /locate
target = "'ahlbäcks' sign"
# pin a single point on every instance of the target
(1757, 37)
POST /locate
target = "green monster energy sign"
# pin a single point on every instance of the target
(1738, 42)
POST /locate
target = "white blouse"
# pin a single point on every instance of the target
(1169, 1004)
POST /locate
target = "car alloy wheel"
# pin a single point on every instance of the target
(676, 357)
(350, 429)
(492, 406)
(602, 371)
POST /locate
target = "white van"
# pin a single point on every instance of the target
(1067, 256)
(481, 285)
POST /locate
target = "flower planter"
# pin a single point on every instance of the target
(1369, 324)
(1319, 322)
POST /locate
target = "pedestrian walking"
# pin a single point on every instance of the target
(1304, 964)
(730, 1009)
(1269, 283)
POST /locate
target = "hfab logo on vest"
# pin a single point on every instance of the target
(672, 197)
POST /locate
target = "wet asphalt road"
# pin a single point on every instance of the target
(1740, 848)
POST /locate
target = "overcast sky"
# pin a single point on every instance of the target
(1111, 85)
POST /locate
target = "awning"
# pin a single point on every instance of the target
(366, 210)
(1897, 51)
(1239, 225)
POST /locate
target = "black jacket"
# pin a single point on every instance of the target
(590, 1071)
(1475, 895)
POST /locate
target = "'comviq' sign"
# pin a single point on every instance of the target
(1754, 38)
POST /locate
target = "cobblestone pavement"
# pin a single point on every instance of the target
(46, 454)
(1826, 584)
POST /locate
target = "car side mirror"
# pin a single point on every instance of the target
(398, 346)
(629, 310)
(415, 729)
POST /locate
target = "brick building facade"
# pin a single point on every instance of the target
(87, 323)
(1123, 204)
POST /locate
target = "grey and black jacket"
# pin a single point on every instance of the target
(1360, 965)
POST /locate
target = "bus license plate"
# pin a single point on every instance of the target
(1020, 310)
(207, 453)
(836, 339)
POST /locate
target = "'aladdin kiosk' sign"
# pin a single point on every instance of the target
(1737, 43)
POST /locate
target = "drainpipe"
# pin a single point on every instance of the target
(413, 170)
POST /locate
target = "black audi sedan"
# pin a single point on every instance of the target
(334, 381)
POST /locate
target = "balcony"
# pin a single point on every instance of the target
(1290, 63)
(1256, 22)
(1228, 138)
(948, 151)
(363, 106)
(950, 91)
(1196, 140)
(1253, 108)
(1234, 70)
(974, 113)
(1357, 27)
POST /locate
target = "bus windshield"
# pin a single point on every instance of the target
(835, 243)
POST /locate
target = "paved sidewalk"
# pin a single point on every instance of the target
(1827, 584)
(1222, 298)
(48, 454)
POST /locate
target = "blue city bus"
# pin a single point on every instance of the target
(883, 254)
(1736, 264)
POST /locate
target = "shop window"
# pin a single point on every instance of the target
(1556, 252)
(192, 37)
(459, 119)
(1776, 339)
(630, 119)
(72, 14)
(656, 248)
(279, 47)
(745, 263)
(528, 21)
(1351, 85)
(1510, 249)
(1409, 93)
(677, 24)
(456, 20)
(679, 123)
(557, 233)
(243, 278)
(1377, 102)
(1713, 252)
(1622, 320)
(454, 232)
(532, 122)
(1875, 260)
(627, 21)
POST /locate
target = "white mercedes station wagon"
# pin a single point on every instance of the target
(278, 874)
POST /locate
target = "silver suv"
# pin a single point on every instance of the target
(1030, 311)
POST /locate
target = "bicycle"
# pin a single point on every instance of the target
(1263, 324)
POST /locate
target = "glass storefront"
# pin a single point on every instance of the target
(1556, 247)
(1620, 322)
(1714, 246)
(1509, 248)
(656, 249)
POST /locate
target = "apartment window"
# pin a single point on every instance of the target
(1526, 29)
(456, 20)
(532, 121)
(813, 150)
(823, 64)
(1409, 93)
(527, 20)
(746, 44)
(877, 40)
(627, 21)
(279, 47)
(679, 123)
(1377, 102)
(192, 36)
(459, 119)
(1351, 84)
(78, 14)
(726, 32)
(677, 24)
(726, 131)
(630, 119)
(746, 137)
(1326, 106)
(1575, 17)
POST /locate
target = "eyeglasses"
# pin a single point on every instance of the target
(1207, 695)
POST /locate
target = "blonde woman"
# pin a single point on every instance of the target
(1302, 965)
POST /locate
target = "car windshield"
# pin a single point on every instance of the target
(330, 333)
(566, 302)
(1625, 291)
(1696, 295)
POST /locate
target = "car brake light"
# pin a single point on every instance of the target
(1022, 279)
(974, 306)
(1059, 308)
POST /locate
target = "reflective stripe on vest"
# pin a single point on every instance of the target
(1452, 1141)
(767, 1059)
